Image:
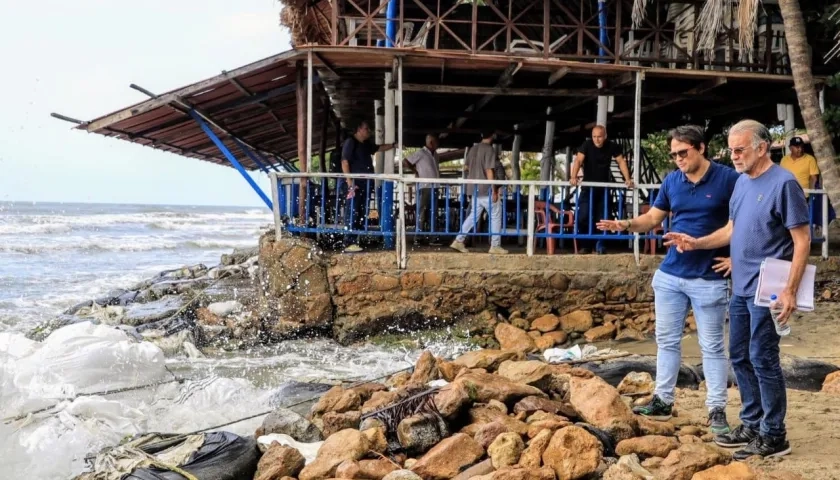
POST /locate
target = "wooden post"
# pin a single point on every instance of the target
(322, 145)
(514, 157)
(300, 97)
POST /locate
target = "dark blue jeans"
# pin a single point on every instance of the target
(754, 352)
(356, 210)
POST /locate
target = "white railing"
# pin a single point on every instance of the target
(327, 210)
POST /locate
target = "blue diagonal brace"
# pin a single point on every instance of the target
(232, 159)
(252, 155)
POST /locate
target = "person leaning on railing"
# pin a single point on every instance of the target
(697, 195)
(356, 158)
(596, 159)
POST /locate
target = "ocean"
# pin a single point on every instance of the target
(53, 256)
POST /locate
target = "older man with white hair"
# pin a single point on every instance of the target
(768, 218)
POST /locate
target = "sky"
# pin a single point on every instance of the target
(78, 58)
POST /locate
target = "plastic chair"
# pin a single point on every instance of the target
(550, 226)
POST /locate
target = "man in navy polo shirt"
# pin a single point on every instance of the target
(697, 196)
(356, 158)
(768, 218)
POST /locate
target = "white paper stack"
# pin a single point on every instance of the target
(774, 277)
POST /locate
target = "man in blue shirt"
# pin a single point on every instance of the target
(697, 196)
(356, 159)
(768, 218)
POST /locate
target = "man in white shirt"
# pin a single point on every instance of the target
(424, 163)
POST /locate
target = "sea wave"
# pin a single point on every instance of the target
(100, 220)
(139, 244)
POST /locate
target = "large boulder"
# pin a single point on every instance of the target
(573, 453)
(446, 459)
(289, 423)
(344, 445)
(295, 288)
(599, 404)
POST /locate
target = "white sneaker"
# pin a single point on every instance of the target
(456, 245)
(497, 251)
(353, 249)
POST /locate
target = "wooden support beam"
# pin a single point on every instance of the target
(300, 93)
(504, 81)
(698, 90)
(495, 91)
(557, 75)
(327, 65)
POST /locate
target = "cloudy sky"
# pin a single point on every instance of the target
(78, 58)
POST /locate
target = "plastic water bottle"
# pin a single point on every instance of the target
(775, 311)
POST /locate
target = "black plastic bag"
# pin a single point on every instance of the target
(224, 456)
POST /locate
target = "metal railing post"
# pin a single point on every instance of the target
(825, 205)
(637, 153)
(275, 203)
(402, 250)
(531, 201)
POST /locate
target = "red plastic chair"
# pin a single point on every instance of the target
(550, 226)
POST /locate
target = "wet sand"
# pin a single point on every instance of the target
(813, 419)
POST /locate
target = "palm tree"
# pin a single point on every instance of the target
(709, 26)
(803, 82)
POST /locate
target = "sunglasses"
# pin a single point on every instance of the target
(681, 153)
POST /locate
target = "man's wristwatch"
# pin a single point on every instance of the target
(629, 222)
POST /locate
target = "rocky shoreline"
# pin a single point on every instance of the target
(486, 415)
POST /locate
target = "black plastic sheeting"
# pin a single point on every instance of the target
(224, 456)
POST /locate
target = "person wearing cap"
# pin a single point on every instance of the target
(801, 165)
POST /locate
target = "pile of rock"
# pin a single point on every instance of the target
(497, 417)
(189, 305)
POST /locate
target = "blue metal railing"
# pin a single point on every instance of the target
(568, 217)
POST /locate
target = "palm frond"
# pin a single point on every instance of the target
(835, 51)
(747, 14)
(710, 24)
(639, 11)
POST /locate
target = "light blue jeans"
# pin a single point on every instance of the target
(709, 300)
(494, 210)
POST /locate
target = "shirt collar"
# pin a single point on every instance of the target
(706, 176)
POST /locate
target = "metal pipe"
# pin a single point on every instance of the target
(825, 206)
(68, 119)
(387, 202)
(309, 111)
(275, 209)
(403, 262)
(529, 249)
(231, 158)
(143, 90)
(637, 154)
(391, 21)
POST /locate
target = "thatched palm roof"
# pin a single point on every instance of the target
(308, 21)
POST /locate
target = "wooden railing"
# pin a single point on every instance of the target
(562, 29)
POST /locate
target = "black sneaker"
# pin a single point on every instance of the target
(764, 447)
(656, 409)
(742, 435)
(717, 421)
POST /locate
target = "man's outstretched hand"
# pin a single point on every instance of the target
(683, 242)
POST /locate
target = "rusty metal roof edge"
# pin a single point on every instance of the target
(109, 119)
